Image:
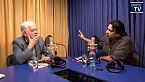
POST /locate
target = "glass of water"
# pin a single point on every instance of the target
(34, 64)
(84, 60)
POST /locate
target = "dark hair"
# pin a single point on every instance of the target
(118, 27)
(47, 40)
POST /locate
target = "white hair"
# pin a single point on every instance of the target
(27, 24)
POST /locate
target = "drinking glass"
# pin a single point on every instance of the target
(84, 60)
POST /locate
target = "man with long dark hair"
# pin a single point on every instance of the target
(116, 45)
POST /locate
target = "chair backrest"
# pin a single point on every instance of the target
(136, 59)
(10, 60)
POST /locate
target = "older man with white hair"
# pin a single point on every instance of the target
(30, 45)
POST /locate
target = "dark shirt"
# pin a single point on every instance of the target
(121, 49)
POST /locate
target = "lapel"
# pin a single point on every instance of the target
(37, 50)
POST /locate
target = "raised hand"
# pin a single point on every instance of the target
(81, 35)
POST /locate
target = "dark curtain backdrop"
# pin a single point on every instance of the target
(92, 17)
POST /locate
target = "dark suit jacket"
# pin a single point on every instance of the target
(22, 54)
